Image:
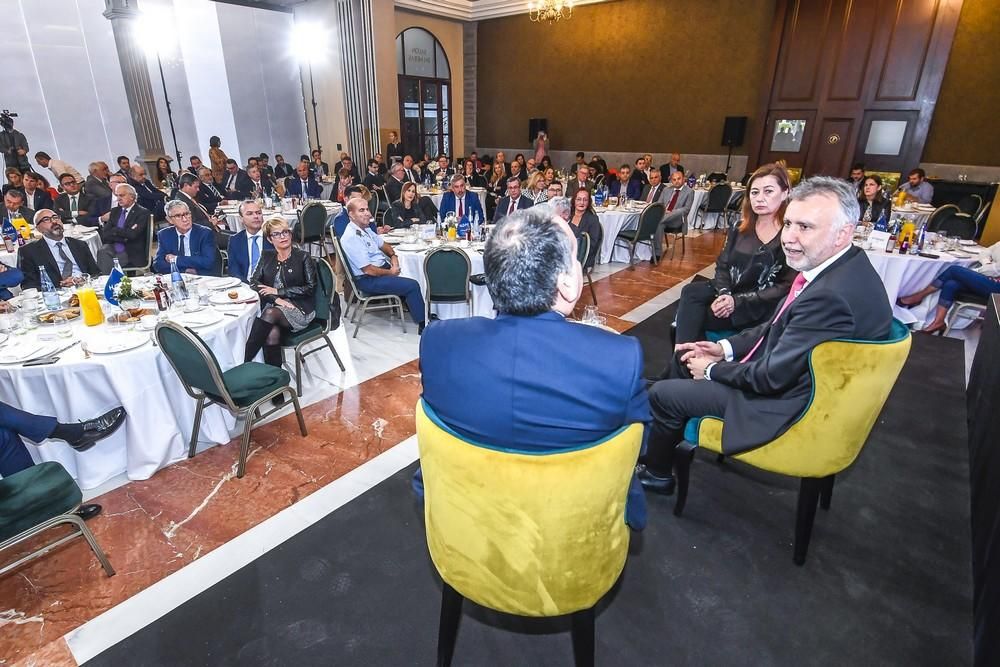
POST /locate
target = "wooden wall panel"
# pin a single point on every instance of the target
(854, 49)
(906, 59)
(801, 52)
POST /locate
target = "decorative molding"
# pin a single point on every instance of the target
(480, 10)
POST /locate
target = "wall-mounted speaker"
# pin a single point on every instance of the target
(536, 125)
(733, 131)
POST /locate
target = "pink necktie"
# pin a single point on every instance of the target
(797, 285)
(649, 197)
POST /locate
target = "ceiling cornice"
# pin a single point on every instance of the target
(480, 10)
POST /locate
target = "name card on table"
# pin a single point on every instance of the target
(877, 240)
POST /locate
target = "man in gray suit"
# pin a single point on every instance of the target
(654, 190)
(677, 200)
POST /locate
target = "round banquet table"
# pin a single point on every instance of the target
(917, 216)
(613, 221)
(235, 224)
(437, 194)
(160, 413)
(905, 274)
(700, 194)
(88, 235)
(411, 265)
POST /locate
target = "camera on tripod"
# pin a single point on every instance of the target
(7, 119)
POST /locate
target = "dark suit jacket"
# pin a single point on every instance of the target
(522, 202)
(324, 167)
(97, 188)
(665, 171)
(574, 186)
(209, 196)
(38, 199)
(266, 184)
(133, 235)
(150, 197)
(24, 211)
(844, 301)
(393, 188)
(658, 190)
(394, 150)
(241, 188)
(283, 170)
(373, 181)
(203, 256)
(239, 257)
(198, 216)
(84, 202)
(473, 209)
(34, 256)
(293, 188)
(632, 190)
(551, 384)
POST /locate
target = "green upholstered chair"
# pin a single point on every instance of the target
(327, 300)
(851, 380)
(360, 302)
(312, 226)
(243, 389)
(582, 252)
(446, 274)
(36, 499)
(537, 533)
(649, 220)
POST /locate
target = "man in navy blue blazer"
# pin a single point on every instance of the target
(246, 246)
(549, 383)
(625, 184)
(302, 184)
(462, 203)
(193, 246)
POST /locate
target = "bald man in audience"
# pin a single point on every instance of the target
(63, 259)
(150, 198)
(672, 166)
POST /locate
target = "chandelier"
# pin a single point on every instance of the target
(550, 10)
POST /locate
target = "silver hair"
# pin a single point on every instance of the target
(845, 193)
(239, 209)
(561, 207)
(93, 166)
(127, 187)
(175, 203)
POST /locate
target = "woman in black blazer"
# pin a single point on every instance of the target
(406, 211)
(873, 202)
(285, 279)
(583, 220)
(472, 177)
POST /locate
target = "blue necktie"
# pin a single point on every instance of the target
(254, 253)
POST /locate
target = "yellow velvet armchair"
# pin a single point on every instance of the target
(851, 380)
(525, 533)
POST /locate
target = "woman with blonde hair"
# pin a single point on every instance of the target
(536, 188)
(496, 187)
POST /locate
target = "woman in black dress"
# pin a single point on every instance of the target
(406, 210)
(472, 177)
(583, 220)
(285, 279)
(873, 202)
(751, 276)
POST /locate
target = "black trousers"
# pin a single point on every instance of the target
(673, 402)
(694, 317)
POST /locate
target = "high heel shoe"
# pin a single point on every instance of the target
(936, 331)
(899, 302)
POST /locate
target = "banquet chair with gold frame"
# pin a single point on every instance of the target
(644, 231)
(539, 533)
(364, 303)
(327, 301)
(582, 251)
(851, 380)
(142, 270)
(446, 273)
(243, 390)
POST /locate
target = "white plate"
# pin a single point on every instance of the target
(222, 298)
(202, 318)
(392, 240)
(221, 283)
(117, 342)
(967, 242)
(411, 246)
(27, 348)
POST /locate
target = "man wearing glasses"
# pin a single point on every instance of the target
(62, 258)
(191, 246)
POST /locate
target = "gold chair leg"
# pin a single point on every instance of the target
(298, 415)
(94, 546)
(197, 427)
(241, 466)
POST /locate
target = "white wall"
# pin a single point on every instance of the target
(229, 72)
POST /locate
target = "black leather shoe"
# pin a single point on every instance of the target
(279, 400)
(88, 512)
(99, 428)
(478, 279)
(662, 485)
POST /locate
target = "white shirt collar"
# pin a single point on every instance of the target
(52, 244)
(811, 274)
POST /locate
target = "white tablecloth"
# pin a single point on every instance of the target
(905, 274)
(235, 224)
(91, 238)
(160, 413)
(436, 196)
(411, 265)
(699, 198)
(613, 222)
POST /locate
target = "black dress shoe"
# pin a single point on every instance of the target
(662, 485)
(88, 512)
(279, 400)
(99, 428)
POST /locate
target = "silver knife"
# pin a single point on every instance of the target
(53, 353)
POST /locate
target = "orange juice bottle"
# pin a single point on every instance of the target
(89, 307)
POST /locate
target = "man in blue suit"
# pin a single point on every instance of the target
(302, 185)
(550, 384)
(246, 247)
(193, 246)
(625, 185)
(462, 203)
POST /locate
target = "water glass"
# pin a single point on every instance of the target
(61, 327)
(590, 314)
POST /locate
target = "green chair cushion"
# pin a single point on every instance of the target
(628, 234)
(251, 381)
(716, 336)
(293, 338)
(35, 495)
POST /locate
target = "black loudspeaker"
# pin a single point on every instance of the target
(733, 131)
(536, 125)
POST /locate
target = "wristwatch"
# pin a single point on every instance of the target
(708, 370)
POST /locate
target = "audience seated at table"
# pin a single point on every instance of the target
(165, 176)
(10, 276)
(104, 205)
(73, 206)
(517, 171)
(124, 166)
(672, 166)
(580, 181)
(473, 178)
(64, 259)
(14, 181)
(394, 182)
(640, 174)
(149, 196)
(193, 246)
(16, 424)
(916, 187)
(758, 380)
(374, 180)
(409, 169)
(583, 220)
(751, 274)
(444, 172)
(13, 201)
(374, 264)
(209, 194)
(246, 247)
(982, 281)
(342, 220)
(857, 179)
(124, 233)
(285, 279)
(579, 161)
(536, 189)
(303, 185)
(573, 384)
(872, 200)
(515, 200)
(281, 168)
(464, 204)
(625, 185)
(677, 200)
(97, 185)
(344, 181)
(406, 211)
(496, 187)
(654, 188)
(235, 182)
(36, 196)
(260, 186)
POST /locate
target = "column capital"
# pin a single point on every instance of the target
(121, 9)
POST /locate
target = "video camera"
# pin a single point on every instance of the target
(7, 119)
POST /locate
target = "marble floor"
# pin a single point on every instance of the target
(194, 522)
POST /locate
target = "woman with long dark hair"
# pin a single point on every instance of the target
(873, 202)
